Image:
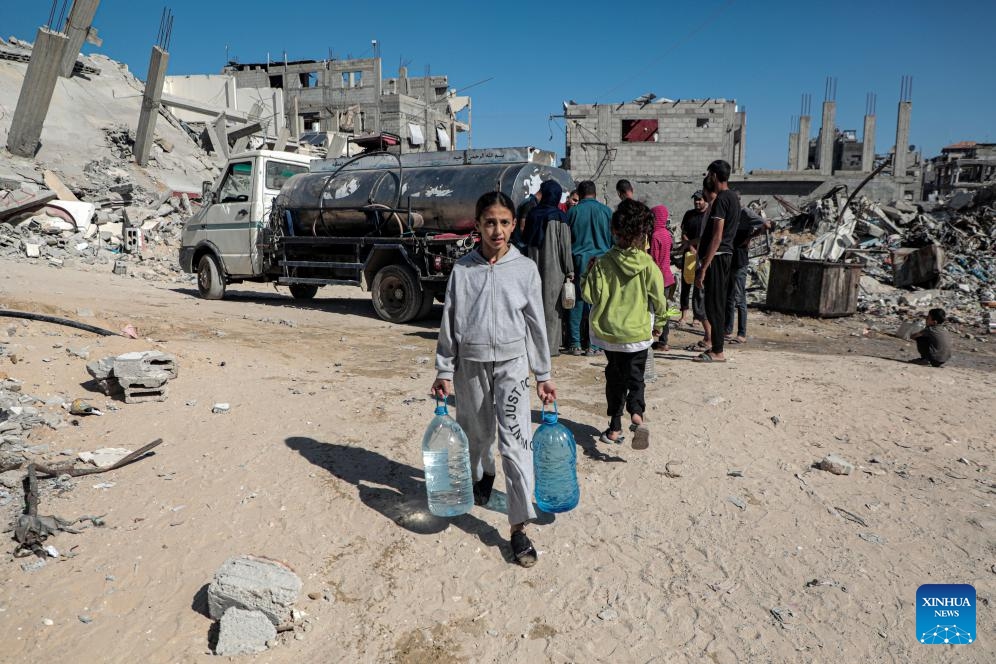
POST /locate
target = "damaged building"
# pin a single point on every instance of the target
(351, 99)
(660, 145)
(964, 166)
(663, 146)
(837, 158)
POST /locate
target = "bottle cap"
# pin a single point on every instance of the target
(441, 406)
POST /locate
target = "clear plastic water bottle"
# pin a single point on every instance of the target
(555, 465)
(446, 455)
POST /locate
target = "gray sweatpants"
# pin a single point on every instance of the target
(497, 393)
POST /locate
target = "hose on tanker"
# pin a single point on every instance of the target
(365, 155)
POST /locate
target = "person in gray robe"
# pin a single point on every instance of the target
(548, 242)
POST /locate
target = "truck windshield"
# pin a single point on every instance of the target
(277, 173)
(237, 185)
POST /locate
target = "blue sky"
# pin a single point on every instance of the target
(764, 54)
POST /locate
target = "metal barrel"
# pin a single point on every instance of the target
(350, 202)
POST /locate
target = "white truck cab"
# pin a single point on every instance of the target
(219, 242)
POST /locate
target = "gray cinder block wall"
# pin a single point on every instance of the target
(690, 134)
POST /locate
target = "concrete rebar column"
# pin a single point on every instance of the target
(827, 135)
(36, 92)
(793, 151)
(902, 139)
(802, 153)
(868, 145)
(77, 29)
(146, 132)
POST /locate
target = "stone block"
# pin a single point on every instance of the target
(139, 394)
(255, 584)
(835, 464)
(101, 369)
(243, 632)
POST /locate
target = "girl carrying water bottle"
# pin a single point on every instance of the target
(492, 333)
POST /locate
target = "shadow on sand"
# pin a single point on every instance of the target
(395, 490)
(340, 305)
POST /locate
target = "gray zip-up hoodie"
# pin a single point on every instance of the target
(493, 313)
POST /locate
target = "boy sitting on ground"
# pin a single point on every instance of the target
(934, 342)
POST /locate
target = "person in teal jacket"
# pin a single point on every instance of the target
(620, 286)
(591, 237)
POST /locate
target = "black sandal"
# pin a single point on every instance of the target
(482, 489)
(523, 550)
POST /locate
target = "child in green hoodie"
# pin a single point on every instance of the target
(620, 286)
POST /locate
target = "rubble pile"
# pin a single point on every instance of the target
(18, 416)
(914, 256)
(73, 204)
(38, 225)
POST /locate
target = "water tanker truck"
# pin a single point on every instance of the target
(391, 224)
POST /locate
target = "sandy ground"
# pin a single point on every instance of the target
(318, 464)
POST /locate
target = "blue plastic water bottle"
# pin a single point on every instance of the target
(446, 455)
(555, 465)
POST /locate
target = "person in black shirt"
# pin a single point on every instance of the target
(716, 254)
(751, 224)
(690, 226)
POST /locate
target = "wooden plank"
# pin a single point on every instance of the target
(53, 182)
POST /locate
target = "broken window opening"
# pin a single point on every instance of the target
(309, 79)
(702, 123)
(639, 131)
(357, 79)
(277, 81)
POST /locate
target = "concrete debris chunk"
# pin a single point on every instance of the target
(104, 457)
(255, 584)
(835, 464)
(243, 632)
(145, 362)
(141, 375)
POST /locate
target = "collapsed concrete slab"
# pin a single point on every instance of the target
(255, 584)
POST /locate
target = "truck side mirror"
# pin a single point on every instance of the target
(207, 194)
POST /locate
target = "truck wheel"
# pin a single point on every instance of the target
(397, 294)
(303, 291)
(210, 283)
